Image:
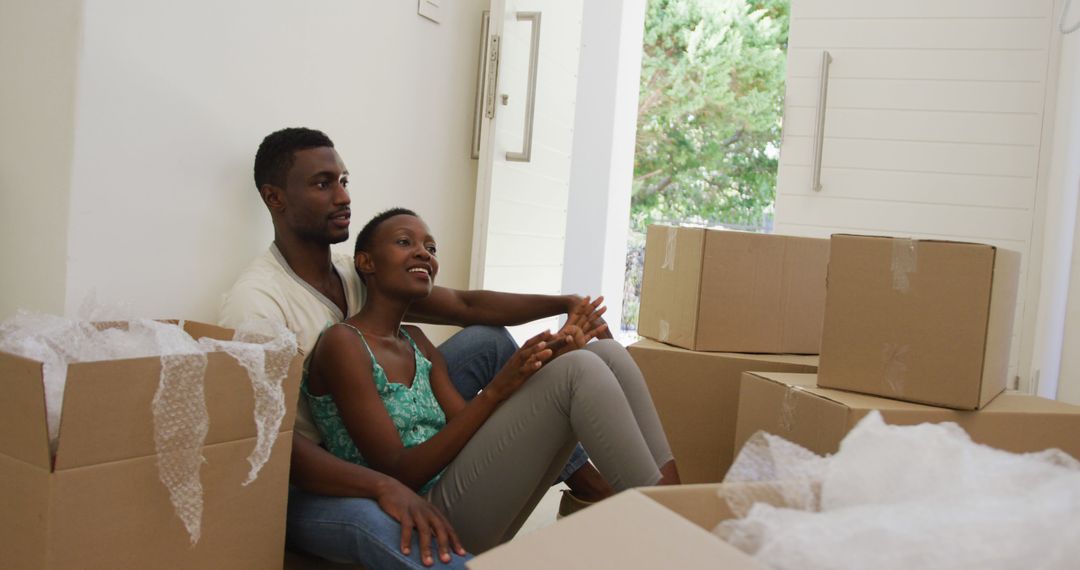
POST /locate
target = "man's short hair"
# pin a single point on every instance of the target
(275, 155)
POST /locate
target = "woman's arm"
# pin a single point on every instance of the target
(344, 368)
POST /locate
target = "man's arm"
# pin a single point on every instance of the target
(464, 308)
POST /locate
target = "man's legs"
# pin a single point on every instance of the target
(351, 530)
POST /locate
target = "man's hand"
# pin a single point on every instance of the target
(413, 511)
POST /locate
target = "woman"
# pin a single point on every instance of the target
(381, 396)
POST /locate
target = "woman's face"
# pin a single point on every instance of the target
(402, 257)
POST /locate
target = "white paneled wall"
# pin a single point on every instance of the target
(933, 124)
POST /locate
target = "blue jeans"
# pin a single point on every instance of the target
(354, 530)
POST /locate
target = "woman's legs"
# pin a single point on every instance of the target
(622, 365)
(497, 479)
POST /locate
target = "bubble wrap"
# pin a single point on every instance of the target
(181, 421)
(905, 497)
(265, 349)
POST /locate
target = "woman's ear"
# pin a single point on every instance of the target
(365, 265)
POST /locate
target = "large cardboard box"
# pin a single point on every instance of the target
(697, 397)
(642, 529)
(101, 505)
(919, 320)
(731, 291)
(794, 407)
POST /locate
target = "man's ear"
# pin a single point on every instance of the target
(273, 197)
(365, 265)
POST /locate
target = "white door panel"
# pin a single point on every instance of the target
(952, 65)
(927, 188)
(520, 228)
(873, 9)
(944, 126)
(921, 33)
(920, 95)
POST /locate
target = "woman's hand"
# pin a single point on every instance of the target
(414, 512)
(584, 322)
(523, 364)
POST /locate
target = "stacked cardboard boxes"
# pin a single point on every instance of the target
(714, 305)
(921, 331)
(918, 330)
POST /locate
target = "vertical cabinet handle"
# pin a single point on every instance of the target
(530, 103)
(819, 129)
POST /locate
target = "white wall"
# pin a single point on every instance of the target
(602, 171)
(173, 98)
(38, 57)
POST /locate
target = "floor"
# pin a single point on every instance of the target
(544, 514)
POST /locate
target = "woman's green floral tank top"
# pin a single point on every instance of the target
(414, 410)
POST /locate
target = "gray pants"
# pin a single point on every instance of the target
(597, 396)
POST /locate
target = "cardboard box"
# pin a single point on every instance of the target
(918, 320)
(646, 529)
(102, 504)
(731, 291)
(794, 407)
(697, 397)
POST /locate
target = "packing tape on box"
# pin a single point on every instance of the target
(894, 366)
(665, 330)
(669, 249)
(787, 409)
(905, 261)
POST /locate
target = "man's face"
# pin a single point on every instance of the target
(316, 196)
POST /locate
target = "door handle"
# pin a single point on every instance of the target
(530, 103)
(819, 134)
(479, 110)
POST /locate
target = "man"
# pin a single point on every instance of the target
(339, 510)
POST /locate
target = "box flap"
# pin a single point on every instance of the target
(24, 433)
(108, 412)
(24, 502)
(793, 359)
(199, 330)
(671, 284)
(628, 530)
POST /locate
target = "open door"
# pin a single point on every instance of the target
(523, 139)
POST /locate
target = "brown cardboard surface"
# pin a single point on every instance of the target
(696, 395)
(243, 527)
(121, 390)
(24, 433)
(629, 530)
(671, 284)
(794, 407)
(918, 320)
(715, 290)
(24, 503)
